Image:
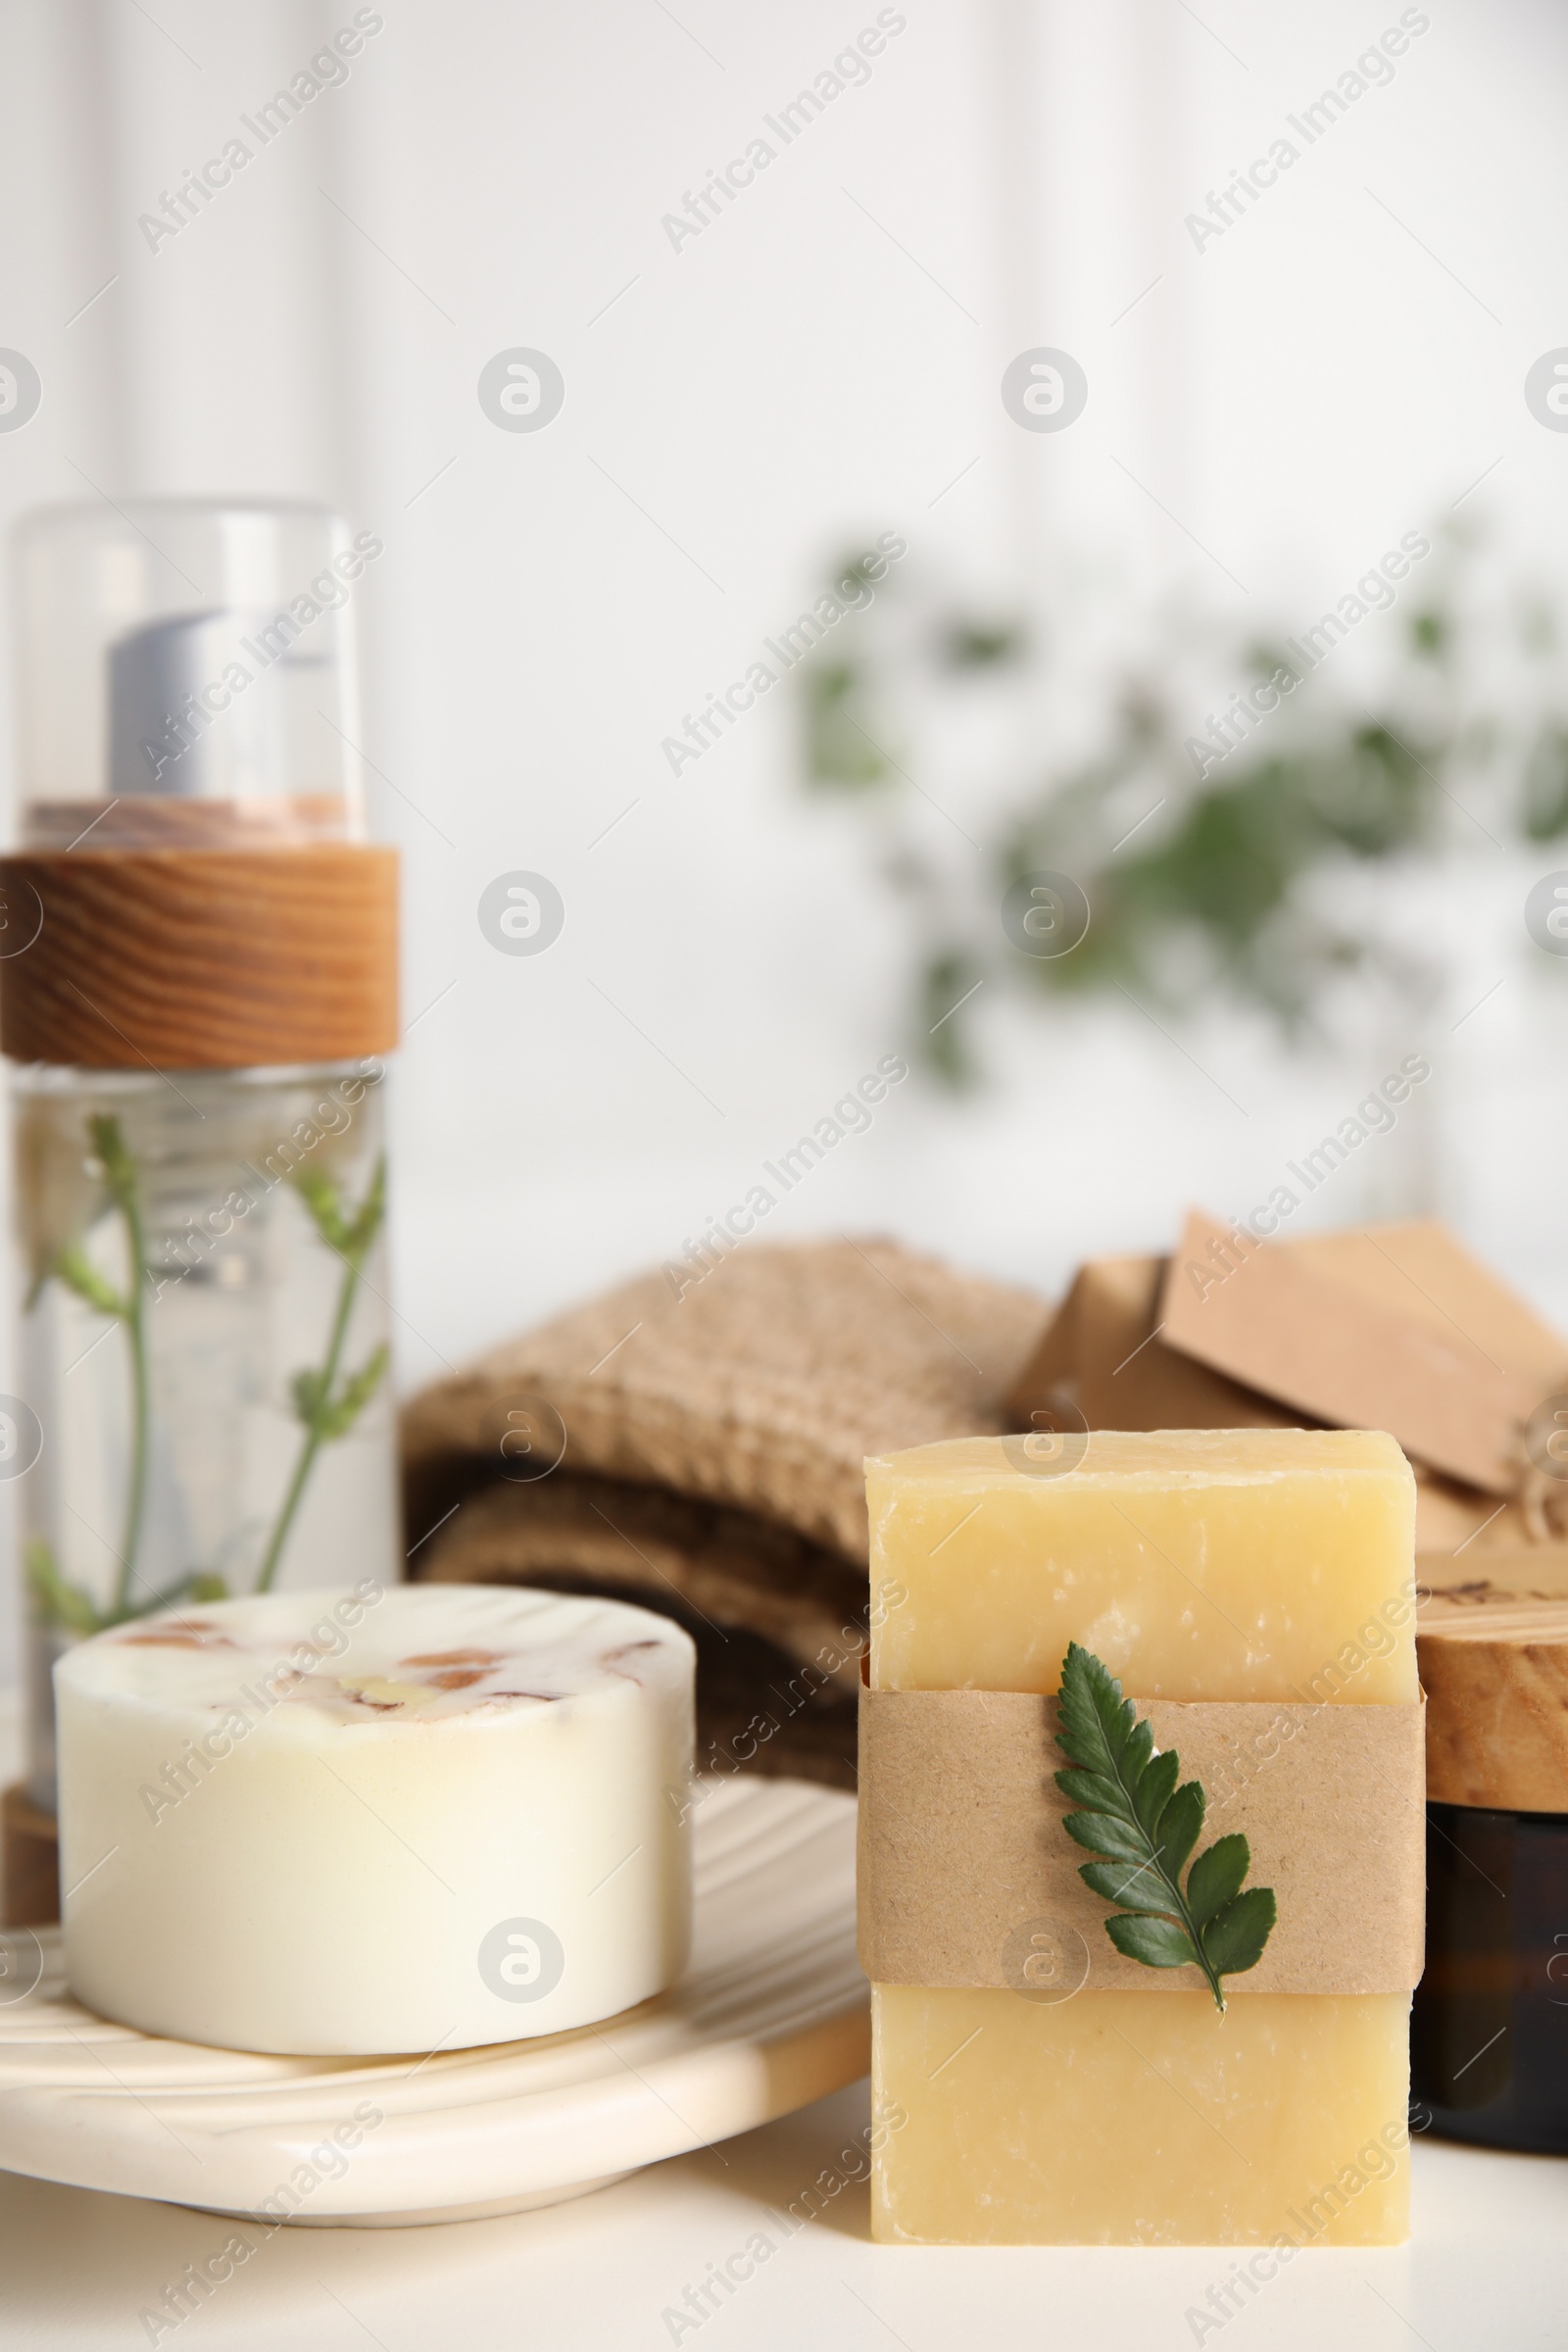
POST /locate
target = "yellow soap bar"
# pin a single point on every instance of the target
(1200, 1565)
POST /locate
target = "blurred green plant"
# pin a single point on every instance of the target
(1224, 882)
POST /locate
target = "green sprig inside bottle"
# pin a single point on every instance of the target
(327, 1400)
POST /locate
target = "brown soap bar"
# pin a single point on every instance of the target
(1385, 1358)
(1103, 1348)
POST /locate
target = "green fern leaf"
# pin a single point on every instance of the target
(1131, 1811)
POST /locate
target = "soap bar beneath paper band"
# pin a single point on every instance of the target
(962, 1849)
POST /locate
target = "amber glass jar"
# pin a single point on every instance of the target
(1488, 2049)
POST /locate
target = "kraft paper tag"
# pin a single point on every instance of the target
(967, 1877)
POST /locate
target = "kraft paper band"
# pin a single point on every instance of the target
(966, 1877)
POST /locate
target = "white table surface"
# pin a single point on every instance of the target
(1487, 2271)
(1486, 2268)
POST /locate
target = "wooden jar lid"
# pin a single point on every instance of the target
(1495, 1667)
(198, 959)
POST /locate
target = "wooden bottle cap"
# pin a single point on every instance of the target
(1493, 1664)
(198, 959)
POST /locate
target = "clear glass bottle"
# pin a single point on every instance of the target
(205, 1344)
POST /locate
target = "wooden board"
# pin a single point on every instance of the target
(30, 1862)
(771, 2014)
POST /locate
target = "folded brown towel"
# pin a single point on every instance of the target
(713, 1463)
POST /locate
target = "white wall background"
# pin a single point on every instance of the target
(822, 363)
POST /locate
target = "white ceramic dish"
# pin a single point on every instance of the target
(771, 2014)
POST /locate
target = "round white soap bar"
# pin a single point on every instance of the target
(343, 1824)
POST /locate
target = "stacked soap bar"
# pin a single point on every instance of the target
(1199, 1565)
(375, 1820)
